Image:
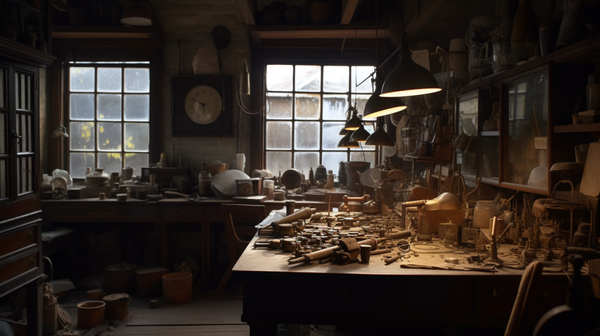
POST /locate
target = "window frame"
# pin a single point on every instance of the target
(104, 50)
(261, 56)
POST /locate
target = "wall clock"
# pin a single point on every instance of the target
(202, 105)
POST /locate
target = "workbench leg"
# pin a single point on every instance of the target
(260, 329)
(205, 241)
(164, 242)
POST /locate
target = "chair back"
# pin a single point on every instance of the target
(240, 219)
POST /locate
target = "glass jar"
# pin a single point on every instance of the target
(581, 237)
(204, 179)
(97, 178)
(269, 188)
(484, 210)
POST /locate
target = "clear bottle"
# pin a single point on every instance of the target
(592, 92)
(484, 210)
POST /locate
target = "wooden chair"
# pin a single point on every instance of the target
(239, 220)
(518, 322)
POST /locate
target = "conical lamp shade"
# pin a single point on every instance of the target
(409, 79)
(380, 137)
(360, 135)
(353, 123)
(346, 143)
(343, 131)
(378, 106)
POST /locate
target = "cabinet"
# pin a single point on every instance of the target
(536, 101)
(20, 214)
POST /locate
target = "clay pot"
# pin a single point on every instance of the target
(90, 314)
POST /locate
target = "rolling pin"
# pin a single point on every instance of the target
(397, 235)
(304, 213)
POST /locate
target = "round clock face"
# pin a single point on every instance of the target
(203, 104)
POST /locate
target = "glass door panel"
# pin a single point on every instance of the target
(467, 110)
(527, 107)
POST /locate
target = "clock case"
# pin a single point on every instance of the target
(183, 126)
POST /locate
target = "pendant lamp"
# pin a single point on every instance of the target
(360, 135)
(343, 131)
(377, 106)
(346, 143)
(408, 78)
(139, 13)
(380, 137)
(354, 122)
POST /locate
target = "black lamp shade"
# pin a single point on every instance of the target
(360, 135)
(353, 123)
(346, 143)
(380, 137)
(377, 106)
(409, 79)
(138, 14)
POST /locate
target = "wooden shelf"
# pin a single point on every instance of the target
(318, 31)
(581, 51)
(577, 128)
(23, 53)
(76, 32)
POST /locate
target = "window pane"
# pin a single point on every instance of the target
(3, 179)
(82, 106)
(335, 107)
(279, 105)
(137, 137)
(82, 79)
(79, 162)
(279, 77)
(335, 78)
(137, 107)
(83, 136)
(306, 135)
(279, 135)
(3, 129)
(279, 162)
(332, 160)
(359, 73)
(111, 162)
(331, 137)
(109, 79)
(303, 161)
(2, 87)
(308, 78)
(362, 156)
(308, 106)
(109, 136)
(109, 107)
(137, 161)
(137, 80)
(360, 101)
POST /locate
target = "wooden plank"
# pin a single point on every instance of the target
(348, 11)
(233, 330)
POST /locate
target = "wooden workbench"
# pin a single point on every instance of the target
(163, 214)
(377, 294)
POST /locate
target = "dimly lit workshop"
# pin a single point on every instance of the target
(299, 167)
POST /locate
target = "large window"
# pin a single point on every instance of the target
(109, 116)
(306, 107)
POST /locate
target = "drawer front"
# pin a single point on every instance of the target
(17, 240)
(16, 267)
(182, 213)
